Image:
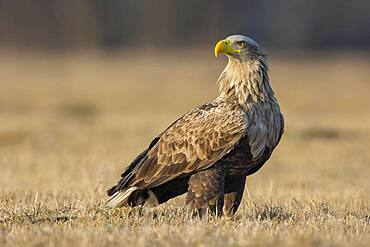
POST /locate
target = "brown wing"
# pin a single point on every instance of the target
(193, 143)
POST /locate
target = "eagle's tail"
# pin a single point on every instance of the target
(120, 198)
(132, 197)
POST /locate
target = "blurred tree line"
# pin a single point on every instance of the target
(283, 24)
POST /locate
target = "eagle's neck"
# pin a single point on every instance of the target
(246, 82)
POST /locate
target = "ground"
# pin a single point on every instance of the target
(70, 123)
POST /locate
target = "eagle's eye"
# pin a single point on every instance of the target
(241, 44)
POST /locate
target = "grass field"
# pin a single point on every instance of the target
(69, 124)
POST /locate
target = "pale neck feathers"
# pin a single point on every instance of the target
(245, 82)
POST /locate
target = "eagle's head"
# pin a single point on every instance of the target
(245, 77)
(239, 47)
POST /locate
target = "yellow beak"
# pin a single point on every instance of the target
(224, 46)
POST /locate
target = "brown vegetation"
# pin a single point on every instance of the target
(69, 124)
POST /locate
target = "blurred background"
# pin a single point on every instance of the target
(101, 24)
(86, 84)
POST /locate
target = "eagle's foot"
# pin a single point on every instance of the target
(206, 192)
(234, 188)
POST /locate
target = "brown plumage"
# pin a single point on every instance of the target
(210, 151)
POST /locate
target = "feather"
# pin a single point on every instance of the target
(236, 133)
(120, 198)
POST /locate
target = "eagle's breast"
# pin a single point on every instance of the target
(264, 127)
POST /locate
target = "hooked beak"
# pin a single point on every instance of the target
(224, 46)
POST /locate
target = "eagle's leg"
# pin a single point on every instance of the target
(206, 191)
(234, 189)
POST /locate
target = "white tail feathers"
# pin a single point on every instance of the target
(120, 198)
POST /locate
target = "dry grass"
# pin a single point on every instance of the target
(69, 124)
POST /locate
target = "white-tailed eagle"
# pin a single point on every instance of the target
(209, 151)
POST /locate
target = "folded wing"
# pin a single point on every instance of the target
(194, 142)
